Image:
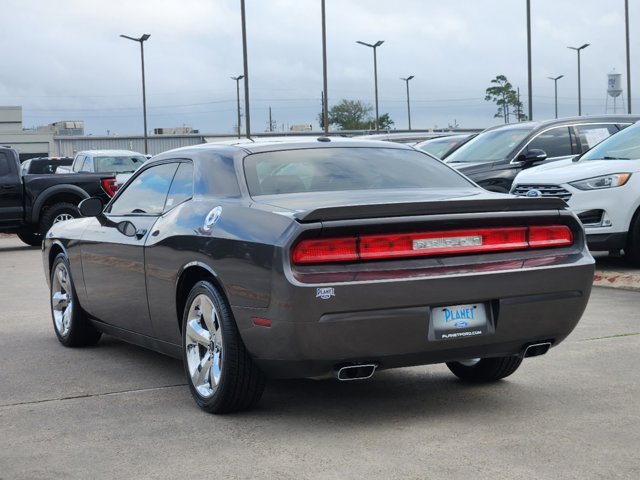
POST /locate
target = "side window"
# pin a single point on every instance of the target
(181, 187)
(4, 164)
(147, 193)
(591, 135)
(86, 165)
(556, 142)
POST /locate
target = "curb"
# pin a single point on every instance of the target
(611, 279)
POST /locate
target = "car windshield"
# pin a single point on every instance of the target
(491, 146)
(118, 164)
(624, 145)
(333, 169)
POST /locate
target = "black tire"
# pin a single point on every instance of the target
(31, 238)
(70, 323)
(632, 249)
(222, 376)
(57, 213)
(485, 369)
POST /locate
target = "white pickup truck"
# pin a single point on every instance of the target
(122, 163)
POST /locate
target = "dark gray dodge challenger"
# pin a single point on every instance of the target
(316, 258)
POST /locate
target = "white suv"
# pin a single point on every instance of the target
(602, 187)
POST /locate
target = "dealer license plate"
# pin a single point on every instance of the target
(460, 321)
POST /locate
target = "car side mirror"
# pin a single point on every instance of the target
(91, 207)
(532, 156)
(126, 228)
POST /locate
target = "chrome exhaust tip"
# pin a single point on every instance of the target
(356, 372)
(536, 349)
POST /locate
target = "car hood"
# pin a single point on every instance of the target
(566, 171)
(469, 168)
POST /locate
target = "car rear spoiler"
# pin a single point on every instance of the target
(403, 209)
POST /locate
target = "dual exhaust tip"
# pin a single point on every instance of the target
(362, 371)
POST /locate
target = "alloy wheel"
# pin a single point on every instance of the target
(203, 344)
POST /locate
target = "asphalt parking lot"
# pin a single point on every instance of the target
(119, 411)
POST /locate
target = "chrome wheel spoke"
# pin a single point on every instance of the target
(60, 301)
(196, 334)
(200, 376)
(62, 278)
(216, 368)
(208, 315)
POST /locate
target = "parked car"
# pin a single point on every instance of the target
(44, 165)
(30, 204)
(497, 155)
(441, 147)
(409, 138)
(602, 187)
(311, 258)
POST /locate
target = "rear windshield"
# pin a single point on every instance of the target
(491, 146)
(353, 168)
(118, 164)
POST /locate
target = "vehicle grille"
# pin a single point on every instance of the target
(591, 217)
(545, 191)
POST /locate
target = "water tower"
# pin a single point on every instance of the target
(614, 90)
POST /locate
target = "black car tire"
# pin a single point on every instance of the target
(70, 322)
(485, 369)
(57, 213)
(30, 238)
(632, 249)
(221, 374)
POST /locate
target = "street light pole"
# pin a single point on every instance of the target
(237, 79)
(141, 40)
(375, 73)
(626, 23)
(406, 80)
(555, 82)
(577, 49)
(325, 99)
(529, 82)
(245, 61)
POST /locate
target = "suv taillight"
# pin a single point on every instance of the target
(109, 186)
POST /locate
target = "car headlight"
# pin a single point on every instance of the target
(605, 181)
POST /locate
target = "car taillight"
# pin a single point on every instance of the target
(109, 186)
(326, 250)
(423, 244)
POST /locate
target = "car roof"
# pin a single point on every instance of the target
(109, 152)
(538, 125)
(283, 143)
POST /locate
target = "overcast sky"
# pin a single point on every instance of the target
(64, 59)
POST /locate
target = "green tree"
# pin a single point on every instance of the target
(506, 98)
(349, 115)
(384, 122)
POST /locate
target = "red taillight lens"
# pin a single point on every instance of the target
(326, 250)
(109, 186)
(550, 236)
(450, 242)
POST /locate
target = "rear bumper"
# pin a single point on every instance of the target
(607, 241)
(388, 322)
